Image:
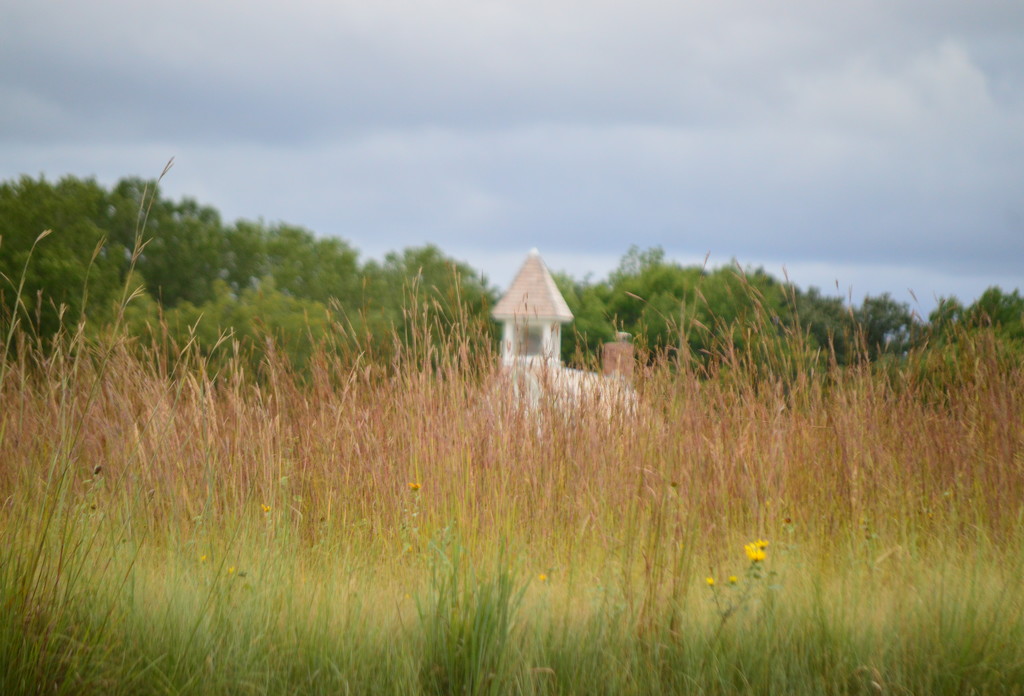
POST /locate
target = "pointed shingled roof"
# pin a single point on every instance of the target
(533, 293)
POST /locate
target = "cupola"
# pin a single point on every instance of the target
(532, 312)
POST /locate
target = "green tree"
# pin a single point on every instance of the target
(995, 311)
(307, 267)
(73, 270)
(591, 326)
(827, 321)
(421, 291)
(1003, 311)
(653, 298)
(885, 326)
(256, 320)
(244, 255)
(666, 306)
(182, 258)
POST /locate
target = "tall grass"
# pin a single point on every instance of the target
(168, 528)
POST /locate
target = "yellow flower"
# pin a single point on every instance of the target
(231, 570)
(202, 559)
(761, 544)
(266, 508)
(732, 579)
(754, 552)
(414, 486)
(710, 581)
(542, 577)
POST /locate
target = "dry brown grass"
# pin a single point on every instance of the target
(260, 518)
(701, 458)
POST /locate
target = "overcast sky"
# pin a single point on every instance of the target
(877, 144)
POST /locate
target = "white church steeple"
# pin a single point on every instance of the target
(532, 312)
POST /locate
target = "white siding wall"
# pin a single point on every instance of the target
(516, 346)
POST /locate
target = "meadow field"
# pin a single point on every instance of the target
(173, 526)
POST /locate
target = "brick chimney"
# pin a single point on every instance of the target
(617, 357)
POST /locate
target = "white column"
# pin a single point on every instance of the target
(508, 352)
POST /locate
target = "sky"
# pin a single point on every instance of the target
(859, 147)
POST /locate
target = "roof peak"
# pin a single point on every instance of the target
(533, 294)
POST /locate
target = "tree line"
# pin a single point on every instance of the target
(197, 280)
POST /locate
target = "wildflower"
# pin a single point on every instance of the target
(266, 508)
(414, 486)
(754, 552)
(710, 581)
(202, 559)
(542, 577)
(732, 579)
(761, 544)
(231, 570)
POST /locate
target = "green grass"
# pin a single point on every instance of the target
(164, 530)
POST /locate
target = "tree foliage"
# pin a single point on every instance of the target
(205, 282)
(77, 264)
(703, 314)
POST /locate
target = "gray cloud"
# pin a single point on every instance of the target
(872, 135)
